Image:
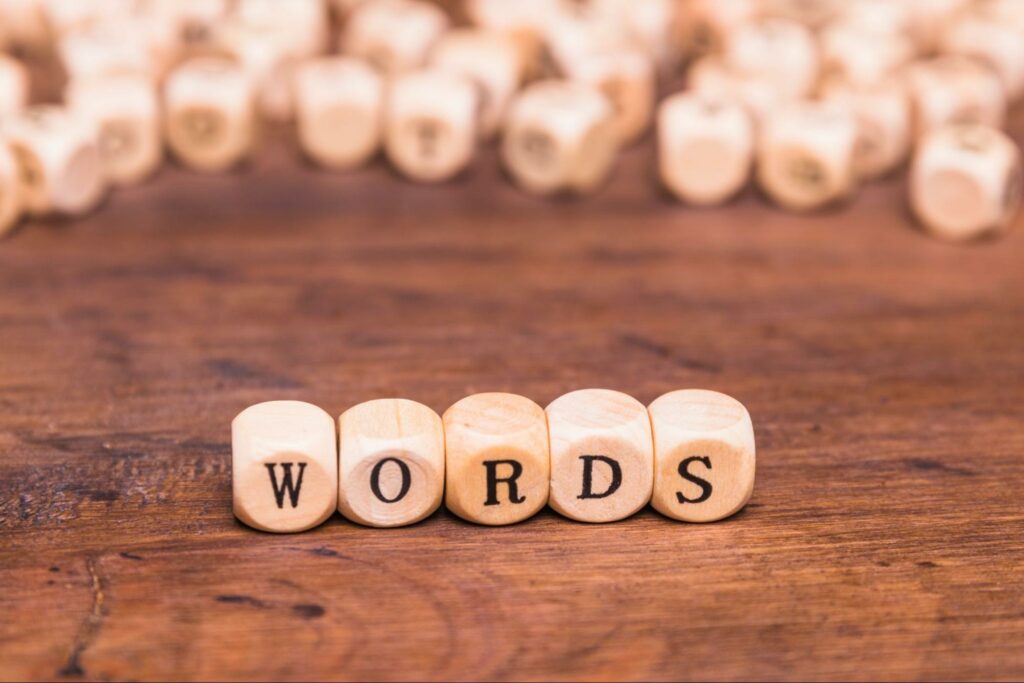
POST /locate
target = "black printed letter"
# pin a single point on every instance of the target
(493, 481)
(588, 476)
(705, 486)
(375, 480)
(286, 483)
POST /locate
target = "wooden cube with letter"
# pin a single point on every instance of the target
(703, 455)
(498, 463)
(284, 466)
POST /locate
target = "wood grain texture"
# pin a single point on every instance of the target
(882, 370)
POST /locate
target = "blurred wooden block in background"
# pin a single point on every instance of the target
(394, 35)
(628, 79)
(954, 89)
(965, 181)
(390, 462)
(491, 60)
(498, 464)
(705, 147)
(58, 161)
(806, 154)
(884, 119)
(602, 455)
(560, 137)
(430, 126)
(209, 114)
(704, 458)
(284, 466)
(125, 112)
(339, 111)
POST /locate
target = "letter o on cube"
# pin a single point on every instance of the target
(703, 455)
(390, 462)
(498, 464)
(284, 466)
(602, 457)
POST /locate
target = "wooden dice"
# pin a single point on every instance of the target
(954, 89)
(394, 35)
(390, 462)
(705, 147)
(126, 115)
(884, 120)
(628, 79)
(779, 51)
(284, 465)
(560, 137)
(965, 181)
(602, 458)
(14, 86)
(806, 155)
(58, 161)
(339, 105)
(498, 464)
(431, 124)
(704, 456)
(492, 61)
(11, 203)
(993, 41)
(209, 114)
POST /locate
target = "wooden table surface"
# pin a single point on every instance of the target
(884, 372)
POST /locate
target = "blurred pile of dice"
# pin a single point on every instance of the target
(809, 97)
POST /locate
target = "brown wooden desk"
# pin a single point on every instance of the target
(884, 372)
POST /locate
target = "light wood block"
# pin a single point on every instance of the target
(806, 155)
(284, 466)
(492, 61)
(430, 129)
(702, 26)
(779, 51)
(628, 79)
(125, 111)
(522, 21)
(303, 29)
(711, 77)
(394, 35)
(391, 462)
(11, 202)
(339, 105)
(704, 457)
(860, 54)
(560, 137)
(14, 86)
(112, 47)
(498, 465)
(965, 181)
(602, 455)
(993, 41)
(705, 147)
(266, 54)
(209, 114)
(954, 89)
(884, 119)
(58, 161)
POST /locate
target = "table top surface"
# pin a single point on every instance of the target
(883, 371)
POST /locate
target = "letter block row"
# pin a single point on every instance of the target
(593, 455)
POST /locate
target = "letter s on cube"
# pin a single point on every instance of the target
(703, 455)
(284, 466)
(497, 458)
